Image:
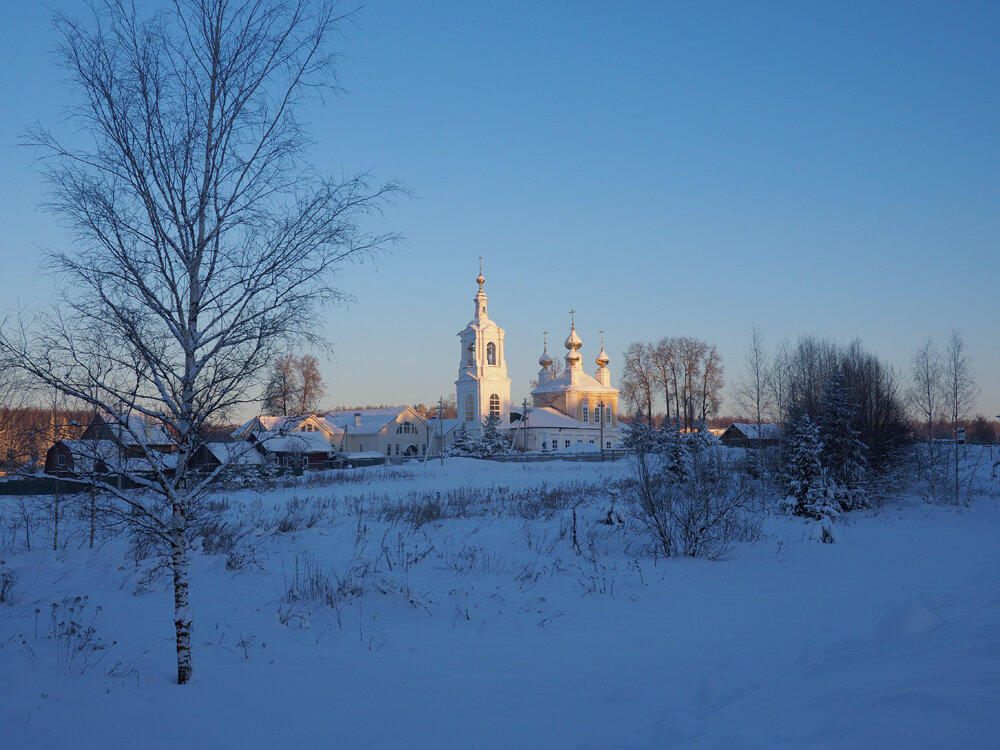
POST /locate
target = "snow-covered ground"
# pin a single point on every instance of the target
(382, 615)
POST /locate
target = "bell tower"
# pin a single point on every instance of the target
(482, 387)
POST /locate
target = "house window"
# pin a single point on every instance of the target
(406, 428)
(397, 449)
(607, 416)
(494, 405)
(388, 450)
(491, 353)
(608, 445)
(468, 407)
(60, 459)
(567, 443)
(586, 412)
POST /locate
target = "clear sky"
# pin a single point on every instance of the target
(663, 168)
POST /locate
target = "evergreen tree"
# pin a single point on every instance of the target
(809, 493)
(462, 444)
(492, 442)
(641, 437)
(843, 453)
(676, 450)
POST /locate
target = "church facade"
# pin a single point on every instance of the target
(569, 411)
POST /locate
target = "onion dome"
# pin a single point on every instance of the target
(573, 356)
(545, 360)
(480, 279)
(602, 358)
(573, 341)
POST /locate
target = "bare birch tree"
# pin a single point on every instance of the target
(753, 397)
(204, 241)
(961, 392)
(662, 360)
(712, 380)
(637, 379)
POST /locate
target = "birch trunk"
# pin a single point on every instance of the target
(182, 608)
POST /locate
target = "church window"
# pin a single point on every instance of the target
(472, 354)
(494, 405)
(468, 407)
(607, 416)
(586, 412)
(491, 353)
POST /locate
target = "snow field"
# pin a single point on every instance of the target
(383, 616)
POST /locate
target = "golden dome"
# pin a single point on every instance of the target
(602, 358)
(573, 341)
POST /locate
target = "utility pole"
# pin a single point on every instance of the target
(440, 423)
(600, 416)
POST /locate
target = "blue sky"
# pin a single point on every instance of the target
(663, 168)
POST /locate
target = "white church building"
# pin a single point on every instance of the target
(572, 411)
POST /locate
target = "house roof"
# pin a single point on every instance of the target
(242, 453)
(283, 424)
(372, 420)
(752, 431)
(294, 442)
(585, 383)
(132, 429)
(445, 426)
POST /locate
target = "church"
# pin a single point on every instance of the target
(569, 411)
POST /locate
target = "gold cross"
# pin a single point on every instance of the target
(572, 319)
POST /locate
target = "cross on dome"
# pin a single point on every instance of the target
(573, 341)
(545, 360)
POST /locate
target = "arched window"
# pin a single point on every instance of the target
(494, 405)
(607, 416)
(491, 353)
(468, 407)
(586, 412)
(472, 355)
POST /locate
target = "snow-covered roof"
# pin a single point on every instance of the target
(242, 453)
(585, 383)
(372, 420)
(545, 417)
(766, 431)
(294, 442)
(130, 429)
(284, 424)
(445, 426)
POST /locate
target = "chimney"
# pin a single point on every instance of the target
(357, 419)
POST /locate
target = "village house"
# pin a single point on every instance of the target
(751, 435)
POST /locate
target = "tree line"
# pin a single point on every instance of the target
(685, 375)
